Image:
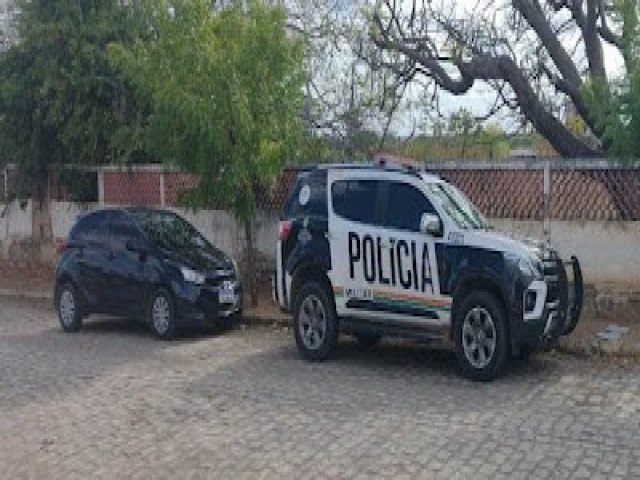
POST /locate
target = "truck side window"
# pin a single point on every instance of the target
(355, 200)
(405, 207)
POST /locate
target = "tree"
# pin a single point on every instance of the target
(538, 56)
(348, 101)
(226, 91)
(60, 99)
(617, 106)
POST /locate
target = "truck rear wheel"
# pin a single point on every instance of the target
(480, 336)
(315, 323)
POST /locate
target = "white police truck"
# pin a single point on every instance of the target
(374, 250)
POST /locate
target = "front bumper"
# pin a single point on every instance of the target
(560, 312)
(199, 305)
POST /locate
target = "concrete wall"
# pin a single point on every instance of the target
(608, 251)
(219, 227)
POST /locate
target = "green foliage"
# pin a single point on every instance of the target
(616, 104)
(61, 101)
(226, 93)
(462, 136)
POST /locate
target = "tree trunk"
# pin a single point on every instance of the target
(251, 263)
(42, 228)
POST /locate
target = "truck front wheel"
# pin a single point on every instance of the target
(480, 336)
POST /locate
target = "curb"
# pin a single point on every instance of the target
(250, 320)
(9, 292)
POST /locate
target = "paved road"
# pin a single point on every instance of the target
(112, 402)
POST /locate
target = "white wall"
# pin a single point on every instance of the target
(64, 215)
(608, 251)
(219, 227)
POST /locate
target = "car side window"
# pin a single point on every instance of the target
(122, 229)
(92, 230)
(356, 200)
(405, 207)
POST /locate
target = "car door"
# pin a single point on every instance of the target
(412, 288)
(127, 269)
(92, 258)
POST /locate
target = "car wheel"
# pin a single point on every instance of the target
(161, 315)
(68, 306)
(480, 336)
(315, 322)
(367, 339)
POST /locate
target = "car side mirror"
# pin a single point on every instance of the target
(431, 225)
(136, 245)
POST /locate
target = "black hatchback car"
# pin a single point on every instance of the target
(145, 263)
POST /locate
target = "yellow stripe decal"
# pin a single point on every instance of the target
(439, 302)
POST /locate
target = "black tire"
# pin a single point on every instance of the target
(481, 336)
(367, 339)
(315, 323)
(161, 315)
(69, 307)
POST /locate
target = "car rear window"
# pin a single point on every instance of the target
(92, 228)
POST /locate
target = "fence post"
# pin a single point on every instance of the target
(162, 188)
(100, 186)
(547, 203)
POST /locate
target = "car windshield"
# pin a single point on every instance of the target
(459, 208)
(169, 231)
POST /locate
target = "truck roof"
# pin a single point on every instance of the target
(383, 167)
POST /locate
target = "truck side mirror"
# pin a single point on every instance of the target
(431, 225)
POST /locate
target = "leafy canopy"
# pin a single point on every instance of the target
(618, 109)
(61, 101)
(226, 92)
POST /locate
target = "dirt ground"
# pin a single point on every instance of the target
(26, 276)
(35, 277)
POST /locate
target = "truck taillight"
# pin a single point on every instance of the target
(285, 229)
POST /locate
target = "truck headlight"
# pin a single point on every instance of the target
(523, 265)
(192, 276)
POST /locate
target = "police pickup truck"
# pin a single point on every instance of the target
(374, 250)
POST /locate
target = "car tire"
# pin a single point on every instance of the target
(68, 307)
(161, 315)
(315, 323)
(481, 336)
(367, 339)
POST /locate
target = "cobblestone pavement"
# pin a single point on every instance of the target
(111, 402)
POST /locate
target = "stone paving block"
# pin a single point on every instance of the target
(111, 402)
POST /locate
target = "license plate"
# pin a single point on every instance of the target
(226, 293)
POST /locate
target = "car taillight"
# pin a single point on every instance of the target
(285, 229)
(62, 246)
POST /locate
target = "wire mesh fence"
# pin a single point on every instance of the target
(586, 191)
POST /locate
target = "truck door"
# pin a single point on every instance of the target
(410, 286)
(354, 224)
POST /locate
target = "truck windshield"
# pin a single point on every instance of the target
(463, 213)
